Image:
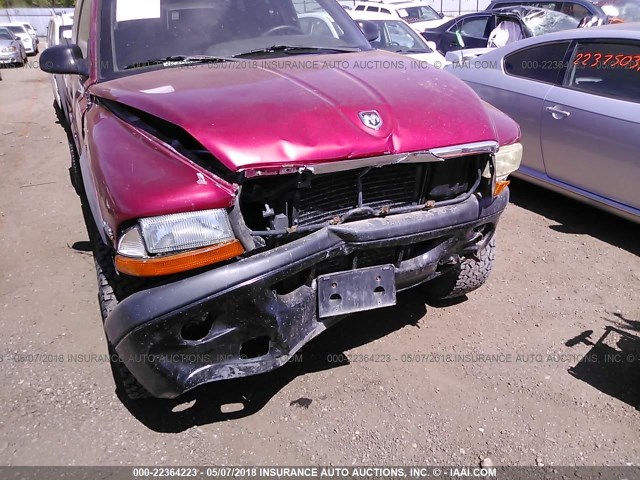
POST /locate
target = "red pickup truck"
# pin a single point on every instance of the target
(247, 183)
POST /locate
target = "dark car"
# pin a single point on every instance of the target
(474, 29)
(607, 11)
(246, 185)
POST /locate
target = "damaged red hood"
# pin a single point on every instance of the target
(307, 109)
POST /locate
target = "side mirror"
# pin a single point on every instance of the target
(441, 14)
(64, 60)
(369, 29)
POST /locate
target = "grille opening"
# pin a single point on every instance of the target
(254, 348)
(305, 199)
(197, 328)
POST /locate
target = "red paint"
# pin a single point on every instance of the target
(137, 176)
(270, 117)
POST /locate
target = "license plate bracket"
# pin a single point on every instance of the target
(356, 291)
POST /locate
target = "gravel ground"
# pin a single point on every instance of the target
(497, 375)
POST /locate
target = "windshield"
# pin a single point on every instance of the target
(547, 21)
(5, 35)
(398, 37)
(141, 34)
(624, 10)
(16, 30)
(65, 32)
(418, 14)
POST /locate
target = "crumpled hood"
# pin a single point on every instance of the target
(305, 109)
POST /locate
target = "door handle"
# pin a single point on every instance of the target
(557, 112)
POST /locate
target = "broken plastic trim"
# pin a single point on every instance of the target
(382, 212)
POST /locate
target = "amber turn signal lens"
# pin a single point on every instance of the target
(500, 186)
(180, 262)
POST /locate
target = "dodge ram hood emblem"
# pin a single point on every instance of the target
(371, 119)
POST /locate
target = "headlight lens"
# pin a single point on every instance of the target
(183, 231)
(9, 49)
(508, 160)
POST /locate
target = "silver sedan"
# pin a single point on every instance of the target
(576, 96)
(11, 49)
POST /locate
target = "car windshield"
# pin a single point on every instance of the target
(5, 35)
(621, 10)
(143, 34)
(65, 32)
(16, 30)
(418, 14)
(397, 36)
(548, 21)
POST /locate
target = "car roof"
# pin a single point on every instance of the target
(360, 15)
(12, 24)
(623, 31)
(394, 5)
(629, 30)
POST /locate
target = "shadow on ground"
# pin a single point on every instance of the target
(208, 404)
(575, 217)
(612, 365)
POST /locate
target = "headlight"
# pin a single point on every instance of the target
(183, 231)
(508, 160)
(9, 49)
(176, 243)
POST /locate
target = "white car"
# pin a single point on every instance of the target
(319, 24)
(417, 13)
(396, 35)
(19, 30)
(59, 31)
(34, 34)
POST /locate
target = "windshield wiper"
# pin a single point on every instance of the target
(413, 50)
(178, 60)
(296, 49)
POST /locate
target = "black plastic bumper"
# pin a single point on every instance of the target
(178, 336)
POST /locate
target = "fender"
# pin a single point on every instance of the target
(130, 174)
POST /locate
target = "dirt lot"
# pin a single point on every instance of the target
(564, 273)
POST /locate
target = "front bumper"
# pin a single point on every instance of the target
(234, 307)
(10, 59)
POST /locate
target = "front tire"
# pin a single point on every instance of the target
(109, 290)
(465, 277)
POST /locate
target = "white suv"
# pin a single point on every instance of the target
(417, 13)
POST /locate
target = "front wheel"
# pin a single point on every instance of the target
(111, 289)
(465, 277)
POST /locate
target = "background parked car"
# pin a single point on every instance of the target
(474, 29)
(420, 15)
(395, 35)
(607, 10)
(319, 24)
(11, 49)
(59, 31)
(34, 35)
(21, 32)
(576, 96)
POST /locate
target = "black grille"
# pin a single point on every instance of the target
(306, 199)
(336, 193)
